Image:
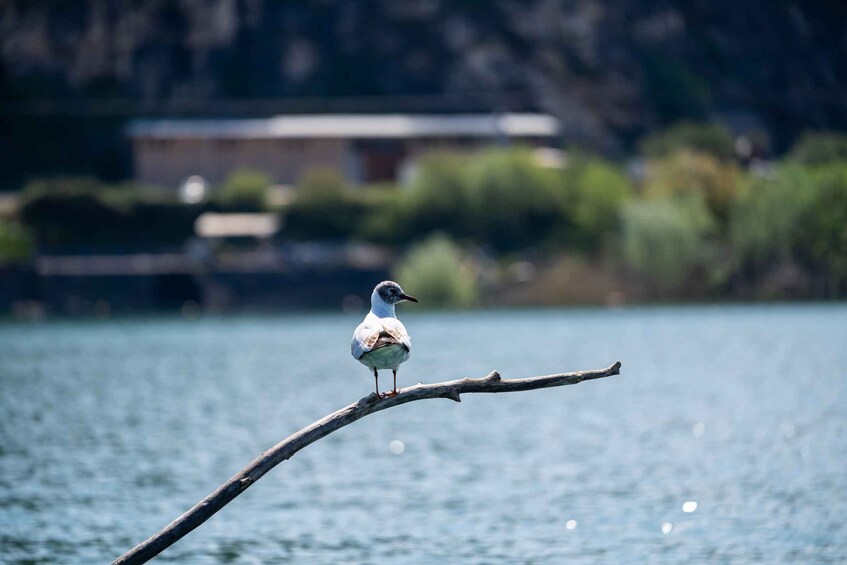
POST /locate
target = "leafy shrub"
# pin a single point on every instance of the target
(499, 197)
(512, 202)
(74, 212)
(319, 187)
(71, 212)
(244, 190)
(667, 240)
(819, 148)
(697, 174)
(15, 243)
(711, 139)
(437, 200)
(323, 208)
(441, 274)
(766, 221)
(824, 227)
(596, 192)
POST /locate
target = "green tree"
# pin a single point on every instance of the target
(696, 174)
(324, 208)
(766, 220)
(437, 200)
(596, 192)
(819, 148)
(824, 227)
(244, 190)
(73, 211)
(15, 243)
(498, 197)
(319, 187)
(711, 139)
(512, 201)
(667, 240)
(441, 273)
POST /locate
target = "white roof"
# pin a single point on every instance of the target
(352, 126)
(211, 224)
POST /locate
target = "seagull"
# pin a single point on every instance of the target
(381, 341)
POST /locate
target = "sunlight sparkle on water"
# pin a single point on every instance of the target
(788, 431)
(698, 429)
(667, 527)
(689, 506)
(397, 447)
(570, 524)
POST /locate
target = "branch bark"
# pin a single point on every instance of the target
(204, 509)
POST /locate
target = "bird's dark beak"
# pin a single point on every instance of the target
(409, 298)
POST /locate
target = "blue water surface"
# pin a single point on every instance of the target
(110, 429)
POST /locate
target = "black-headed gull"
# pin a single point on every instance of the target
(381, 341)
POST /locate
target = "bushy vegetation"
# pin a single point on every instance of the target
(595, 192)
(324, 208)
(511, 200)
(694, 223)
(15, 243)
(499, 198)
(824, 227)
(243, 190)
(711, 139)
(819, 148)
(437, 200)
(80, 213)
(699, 175)
(667, 240)
(441, 272)
(766, 225)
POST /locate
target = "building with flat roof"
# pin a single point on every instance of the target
(363, 148)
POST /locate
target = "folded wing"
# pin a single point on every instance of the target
(376, 333)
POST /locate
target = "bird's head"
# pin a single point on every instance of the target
(391, 293)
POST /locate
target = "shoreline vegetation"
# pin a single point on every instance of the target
(696, 216)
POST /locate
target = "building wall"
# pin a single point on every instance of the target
(169, 162)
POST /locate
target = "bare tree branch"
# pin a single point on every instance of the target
(204, 509)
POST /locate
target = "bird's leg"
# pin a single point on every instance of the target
(376, 381)
(394, 391)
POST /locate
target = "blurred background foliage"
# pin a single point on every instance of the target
(693, 221)
(85, 214)
(696, 175)
(15, 243)
(324, 208)
(668, 241)
(593, 195)
(819, 148)
(767, 217)
(442, 272)
(711, 139)
(243, 190)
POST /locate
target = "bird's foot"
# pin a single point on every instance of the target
(390, 393)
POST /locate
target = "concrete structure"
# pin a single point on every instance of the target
(363, 148)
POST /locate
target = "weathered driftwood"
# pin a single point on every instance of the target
(204, 509)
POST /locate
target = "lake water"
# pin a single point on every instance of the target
(110, 429)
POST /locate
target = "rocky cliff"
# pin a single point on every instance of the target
(610, 69)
